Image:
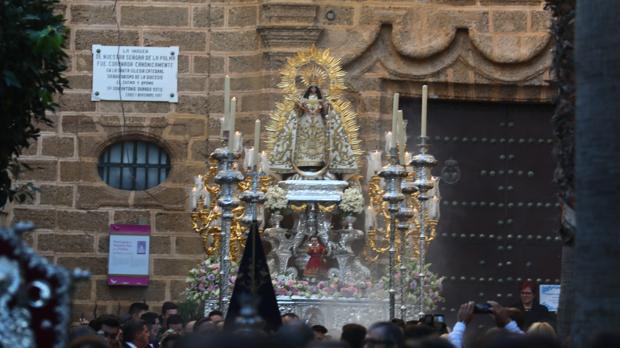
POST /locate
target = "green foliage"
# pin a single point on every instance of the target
(31, 65)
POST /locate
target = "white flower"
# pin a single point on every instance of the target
(276, 198)
(352, 201)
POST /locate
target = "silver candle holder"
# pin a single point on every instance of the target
(404, 215)
(392, 173)
(422, 163)
(253, 198)
(227, 178)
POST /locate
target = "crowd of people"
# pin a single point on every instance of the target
(524, 325)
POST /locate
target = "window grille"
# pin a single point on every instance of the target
(134, 165)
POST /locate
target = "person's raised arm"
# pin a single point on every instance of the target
(463, 317)
(502, 318)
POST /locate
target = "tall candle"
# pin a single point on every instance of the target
(249, 158)
(374, 164)
(222, 126)
(264, 162)
(424, 110)
(370, 217)
(256, 137)
(389, 141)
(237, 142)
(227, 104)
(192, 199)
(395, 124)
(231, 123)
(402, 143)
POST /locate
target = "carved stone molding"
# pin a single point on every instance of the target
(286, 26)
(288, 36)
(461, 51)
(287, 13)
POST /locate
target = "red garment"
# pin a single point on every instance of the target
(315, 264)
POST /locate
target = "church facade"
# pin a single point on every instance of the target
(479, 57)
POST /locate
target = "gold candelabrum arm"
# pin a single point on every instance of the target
(205, 220)
(375, 247)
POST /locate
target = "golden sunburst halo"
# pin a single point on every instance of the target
(314, 67)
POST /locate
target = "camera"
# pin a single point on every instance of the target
(482, 308)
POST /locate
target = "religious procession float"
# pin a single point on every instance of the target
(328, 264)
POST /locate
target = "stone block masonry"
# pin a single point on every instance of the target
(486, 50)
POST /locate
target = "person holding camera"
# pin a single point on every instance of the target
(466, 313)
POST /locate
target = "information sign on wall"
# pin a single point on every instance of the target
(128, 259)
(133, 73)
(550, 296)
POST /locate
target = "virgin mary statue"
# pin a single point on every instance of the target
(313, 131)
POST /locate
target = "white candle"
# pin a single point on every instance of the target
(198, 182)
(395, 124)
(402, 143)
(371, 217)
(249, 158)
(231, 123)
(237, 142)
(222, 126)
(374, 164)
(389, 141)
(256, 137)
(252, 159)
(424, 110)
(407, 157)
(226, 103)
(192, 199)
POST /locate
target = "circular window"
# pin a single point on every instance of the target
(134, 165)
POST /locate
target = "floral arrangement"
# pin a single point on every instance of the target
(352, 201)
(202, 284)
(203, 281)
(276, 198)
(330, 288)
(433, 285)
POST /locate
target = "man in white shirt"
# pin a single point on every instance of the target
(466, 314)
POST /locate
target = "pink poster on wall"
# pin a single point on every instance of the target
(128, 259)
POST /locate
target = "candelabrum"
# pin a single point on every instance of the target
(392, 173)
(253, 198)
(422, 164)
(227, 178)
(404, 215)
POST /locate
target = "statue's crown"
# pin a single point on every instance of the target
(313, 76)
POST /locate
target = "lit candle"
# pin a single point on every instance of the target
(424, 109)
(389, 141)
(249, 159)
(231, 123)
(193, 198)
(256, 137)
(198, 182)
(407, 157)
(237, 142)
(264, 163)
(395, 124)
(227, 103)
(374, 164)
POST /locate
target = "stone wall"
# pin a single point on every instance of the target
(465, 49)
